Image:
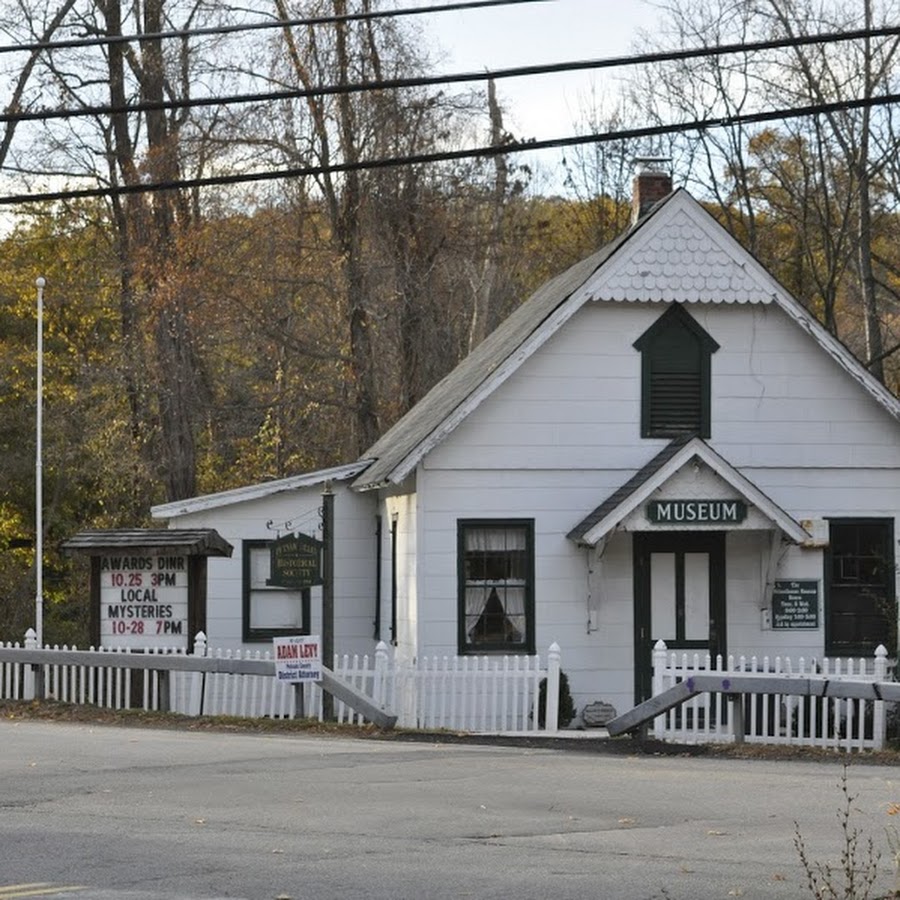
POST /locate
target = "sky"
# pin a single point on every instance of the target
(526, 33)
(553, 31)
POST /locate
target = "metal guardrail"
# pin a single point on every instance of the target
(335, 686)
(736, 686)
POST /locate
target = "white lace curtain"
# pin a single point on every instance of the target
(495, 539)
(510, 595)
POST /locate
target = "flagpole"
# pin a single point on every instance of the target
(39, 473)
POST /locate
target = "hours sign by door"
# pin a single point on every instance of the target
(795, 604)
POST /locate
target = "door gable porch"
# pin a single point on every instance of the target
(686, 486)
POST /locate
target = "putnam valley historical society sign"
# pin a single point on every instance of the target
(296, 562)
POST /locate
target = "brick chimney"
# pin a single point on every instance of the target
(651, 183)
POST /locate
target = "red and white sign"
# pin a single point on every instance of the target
(298, 659)
(144, 602)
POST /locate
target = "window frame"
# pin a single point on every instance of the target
(676, 317)
(834, 646)
(252, 634)
(464, 646)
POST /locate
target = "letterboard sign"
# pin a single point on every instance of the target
(144, 601)
(795, 604)
(148, 585)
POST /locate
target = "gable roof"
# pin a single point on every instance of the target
(606, 517)
(487, 366)
(677, 253)
(619, 496)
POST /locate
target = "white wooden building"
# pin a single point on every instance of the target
(660, 443)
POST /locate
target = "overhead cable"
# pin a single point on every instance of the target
(451, 155)
(68, 43)
(454, 78)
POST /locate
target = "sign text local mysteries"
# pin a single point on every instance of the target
(697, 512)
(144, 601)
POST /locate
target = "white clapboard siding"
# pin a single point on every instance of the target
(264, 518)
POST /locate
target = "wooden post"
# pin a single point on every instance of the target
(327, 593)
(198, 682)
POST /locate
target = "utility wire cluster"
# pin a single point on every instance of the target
(181, 33)
(509, 147)
(451, 78)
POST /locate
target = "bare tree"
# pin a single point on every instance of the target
(859, 72)
(823, 178)
(22, 27)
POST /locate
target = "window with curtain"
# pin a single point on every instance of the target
(496, 586)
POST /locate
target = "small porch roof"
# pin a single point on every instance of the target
(153, 541)
(600, 523)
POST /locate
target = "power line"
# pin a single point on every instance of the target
(451, 155)
(254, 26)
(456, 78)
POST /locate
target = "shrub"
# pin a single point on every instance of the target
(566, 706)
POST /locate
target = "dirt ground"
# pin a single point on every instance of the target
(50, 711)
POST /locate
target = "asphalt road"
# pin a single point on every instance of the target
(135, 814)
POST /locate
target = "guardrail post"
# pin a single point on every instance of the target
(737, 717)
(551, 718)
(163, 683)
(379, 683)
(879, 720)
(660, 652)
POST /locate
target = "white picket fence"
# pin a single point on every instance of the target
(473, 694)
(780, 718)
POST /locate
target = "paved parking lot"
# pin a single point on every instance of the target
(140, 814)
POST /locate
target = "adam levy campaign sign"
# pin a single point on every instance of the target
(298, 658)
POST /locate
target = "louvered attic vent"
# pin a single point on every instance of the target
(676, 402)
(675, 374)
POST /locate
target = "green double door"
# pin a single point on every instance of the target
(679, 597)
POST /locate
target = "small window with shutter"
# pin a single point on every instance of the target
(675, 376)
